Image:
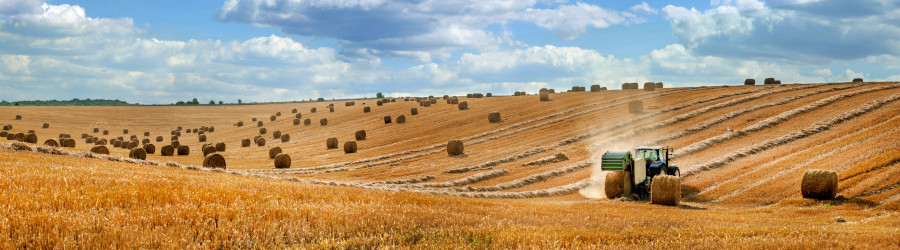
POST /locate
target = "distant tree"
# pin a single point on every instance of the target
(17, 103)
(211, 102)
(320, 99)
(220, 102)
(194, 101)
(239, 101)
(179, 103)
(379, 95)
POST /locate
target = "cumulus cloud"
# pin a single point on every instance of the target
(813, 32)
(644, 7)
(19, 7)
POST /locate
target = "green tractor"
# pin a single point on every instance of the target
(635, 174)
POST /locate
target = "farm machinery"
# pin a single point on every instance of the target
(638, 174)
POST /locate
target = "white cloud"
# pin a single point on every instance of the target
(16, 63)
(19, 7)
(644, 7)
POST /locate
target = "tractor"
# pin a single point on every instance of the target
(634, 174)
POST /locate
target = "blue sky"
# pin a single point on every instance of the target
(278, 50)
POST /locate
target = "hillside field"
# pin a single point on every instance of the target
(511, 188)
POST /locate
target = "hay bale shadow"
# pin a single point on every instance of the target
(460, 156)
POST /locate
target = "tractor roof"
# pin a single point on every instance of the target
(648, 147)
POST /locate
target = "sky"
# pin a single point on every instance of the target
(164, 51)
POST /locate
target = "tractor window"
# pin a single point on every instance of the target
(649, 155)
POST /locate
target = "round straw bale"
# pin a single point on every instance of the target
(379, 103)
(7, 127)
(401, 119)
(100, 149)
(177, 133)
(105, 132)
(10, 136)
(272, 118)
(331, 109)
(659, 85)
(350, 147)
(360, 135)
(277, 113)
(367, 109)
(387, 119)
(259, 124)
(214, 161)
(174, 138)
(262, 131)
(665, 190)
(46, 125)
(125, 131)
(32, 138)
(445, 97)
(134, 137)
(208, 149)
(636, 106)
(3, 133)
(253, 119)
(20, 136)
(18, 117)
(150, 148)
(414, 111)
(307, 122)
(285, 138)
(293, 111)
(777, 82)
(615, 184)
(469, 95)
(175, 143)
(100, 142)
(159, 138)
(626, 85)
(145, 141)
(138, 153)
(455, 147)
(494, 117)
(296, 122)
(323, 121)
(96, 130)
(312, 110)
(769, 80)
(595, 88)
(51, 143)
(184, 150)
(488, 95)
(202, 138)
(331, 142)
(220, 147)
(276, 134)
(649, 86)
(545, 96)
(167, 150)
(117, 143)
(750, 82)
(298, 116)
(819, 184)
(463, 105)
(31, 131)
(133, 144)
(282, 161)
(211, 129)
(245, 142)
(857, 80)
(453, 100)
(260, 141)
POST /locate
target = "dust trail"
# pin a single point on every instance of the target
(772, 121)
(814, 129)
(596, 190)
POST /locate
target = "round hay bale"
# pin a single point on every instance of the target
(276, 134)
(414, 111)
(208, 149)
(626, 85)
(7, 127)
(494, 117)
(453, 100)
(545, 96)
(312, 110)
(307, 122)
(262, 131)
(277, 113)
(293, 111)
(777, 82)
(272, 118)
(323, 121)
(259, 124)
(253, 119)
(100, 149)
(137, 153)
(282, 161)
(819, 184)
(463, 105)
(636, 107)
(387, 119)
(469, 95)
(100, 142)
(18, 117)
(117, 143)
(360, 135)
(146, 133)
(167, 150)
(159, 138)
(666, 190)
(659, 85)
(649, 86)
(488, 95)
(331, 142)
(175, 143)
(857, 80)
(96, 130)
(214, 161)
(245, 142)
(477, 95)
(125, 131)
(239, 124)
(202, 138)
(285, 138)
(31, 131)
(150, 149)
(296, 122)
(134, 137)
(445, 97)
(46, 125)
(184, 150)
(51, 143)
(3, 133)
(401, 119)
(133, 144)
(105, 132)
(595, 88)
(426, 104)
(260, 141)
(367, 109)
(750, 82)
(211, 129)
(220, 147)
(177, 133)
(615, 184)
(379, 103)
(32, 138)
(350, 147)
(174, 138)
(20, 137)
(145, 141)
(455, 147)
(768, 81)
(298, 116)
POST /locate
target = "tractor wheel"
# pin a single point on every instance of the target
(665, 190)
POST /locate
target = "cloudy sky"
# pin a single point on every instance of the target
(162, 51)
